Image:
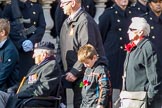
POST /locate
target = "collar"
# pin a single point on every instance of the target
(2, 43)
(27, 4)
(130, 46)
(75, 16)
(35, 67)
(71, 17)
(154, 17)
(47, 59)
(142, 7)
(141, 43)
(121, 11)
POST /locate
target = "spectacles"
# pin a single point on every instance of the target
(65, 3)
(131, 29)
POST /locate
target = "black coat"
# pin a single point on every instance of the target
(155, 31)
(138, 9)
(42, 80)
(9, 65)
(113, 24)
(34, 12)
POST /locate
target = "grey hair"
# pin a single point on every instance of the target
(140, 23)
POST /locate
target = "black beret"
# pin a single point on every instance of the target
(44, 45)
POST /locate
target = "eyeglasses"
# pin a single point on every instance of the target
(65, 3)
(131, 29)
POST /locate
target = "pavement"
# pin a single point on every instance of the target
(69, 93)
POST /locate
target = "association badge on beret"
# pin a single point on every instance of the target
(44, 45)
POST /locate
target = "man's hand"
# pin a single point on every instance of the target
(70, 77)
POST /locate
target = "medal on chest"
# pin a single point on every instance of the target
(32, 78)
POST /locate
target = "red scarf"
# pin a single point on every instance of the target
(131, 45)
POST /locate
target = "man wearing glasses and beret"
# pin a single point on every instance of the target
(42, 79)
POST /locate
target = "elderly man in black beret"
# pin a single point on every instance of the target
(42, 79)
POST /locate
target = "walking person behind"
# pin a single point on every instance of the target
(77, 30)
(9, 58)
(96, 91)
(142, 66)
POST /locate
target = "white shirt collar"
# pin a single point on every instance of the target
(73, 15)
(2, 43)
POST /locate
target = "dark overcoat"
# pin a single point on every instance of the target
(155, 30)
(138, 9)
(113, 24)
(34, 12)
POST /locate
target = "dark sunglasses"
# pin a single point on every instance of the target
(65, 3)
(131, 29)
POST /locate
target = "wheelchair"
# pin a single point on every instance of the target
(55, 100)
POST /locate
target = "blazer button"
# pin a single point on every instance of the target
(121, 38)
(121, 47)
(153, 37)
(34, 12)
(120, 29)
(34, 23)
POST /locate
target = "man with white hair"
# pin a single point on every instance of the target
(142, 66)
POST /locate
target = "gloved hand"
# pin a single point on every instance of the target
(27, 45)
